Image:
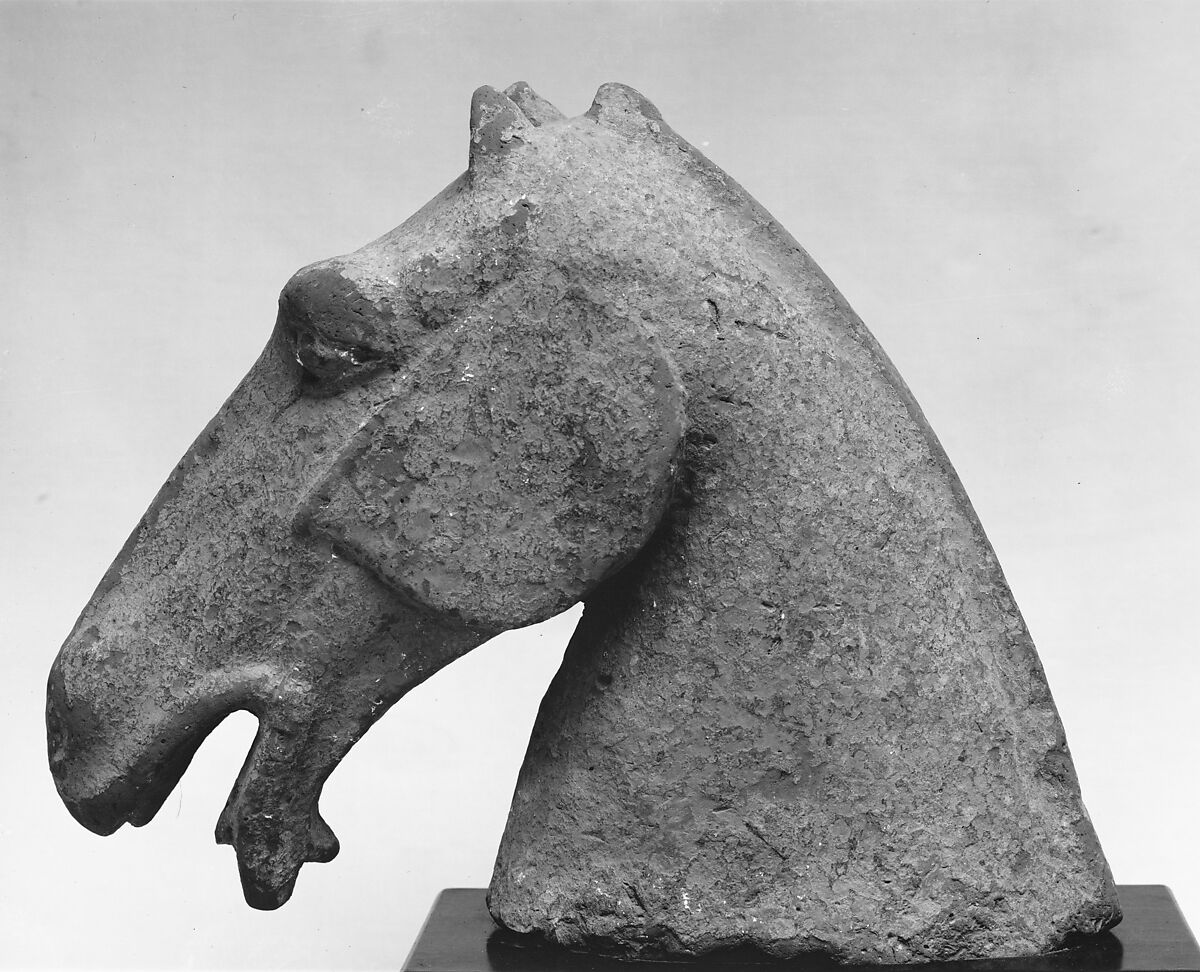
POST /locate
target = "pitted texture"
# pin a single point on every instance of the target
(502, 484)
(801, 712)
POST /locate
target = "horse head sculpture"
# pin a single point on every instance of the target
(593, 368)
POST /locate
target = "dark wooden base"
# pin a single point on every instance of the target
(460, 936)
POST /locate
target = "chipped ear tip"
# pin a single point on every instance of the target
(495, 120)
(486, 102)
(485, 92)
(532, 105)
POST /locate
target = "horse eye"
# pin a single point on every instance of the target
(328, 366)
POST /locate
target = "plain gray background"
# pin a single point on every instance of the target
(1006, 193)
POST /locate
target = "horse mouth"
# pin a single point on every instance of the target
(110, 776)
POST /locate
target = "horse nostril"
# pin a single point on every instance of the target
(56, 736)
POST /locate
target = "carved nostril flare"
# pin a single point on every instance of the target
(56, 729)
(58, 734)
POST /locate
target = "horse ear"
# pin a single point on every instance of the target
(523, 466)
(495, 122)
(533, 106)
(621, 108)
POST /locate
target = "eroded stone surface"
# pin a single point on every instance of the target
(807, 716)
(811, 716)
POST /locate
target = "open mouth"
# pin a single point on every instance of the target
(271, 818)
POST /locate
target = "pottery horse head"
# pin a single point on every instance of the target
(449, 434)
(593, 368)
